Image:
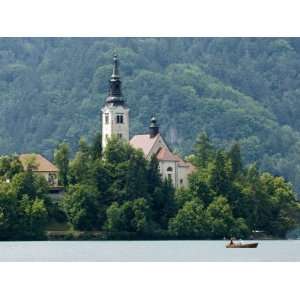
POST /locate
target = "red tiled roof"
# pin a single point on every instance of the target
(143, 142)
(165, 154)
(43, 165)
(146, 143)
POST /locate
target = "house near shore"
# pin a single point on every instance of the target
(41, 166)
(115, 122)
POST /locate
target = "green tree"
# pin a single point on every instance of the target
(33, 218)
(234, 155)
(81, 205)
(79, 169)
(96, 147)
(117, 151)
(203, 151)
(189, 222)
(278, 210)
(200, 188)
(8, 213)
(219, 179)
(61, 159)
(131, 216)
(24, 184)
(9, 166)
(163, 203)
(220, 219)
(182, 196)
(114, 222)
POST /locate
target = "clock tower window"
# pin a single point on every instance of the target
(120, 119)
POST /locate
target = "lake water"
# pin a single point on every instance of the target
(288, 250)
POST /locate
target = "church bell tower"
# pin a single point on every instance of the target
(115, 113)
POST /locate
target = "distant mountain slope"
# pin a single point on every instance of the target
(244, 89)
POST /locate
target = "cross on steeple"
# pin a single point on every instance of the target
(115, 73)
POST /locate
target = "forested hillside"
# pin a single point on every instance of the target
(243, 89)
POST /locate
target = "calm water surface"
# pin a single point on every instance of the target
(288, 250)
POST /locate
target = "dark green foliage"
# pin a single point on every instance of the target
(190, 222)
(27, 183)
(219, 179)
(220, 218)
(234, 155)
(124, 181)
(23, 207)
(33, 218)
(9, 166)
(224, 198)
(240, 199)
(80, 204)
(8, 212)
(131, 216)
(61, 159)
(203, 151)
(124, 195)
(96, 147)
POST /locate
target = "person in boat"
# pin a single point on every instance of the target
(231, 242)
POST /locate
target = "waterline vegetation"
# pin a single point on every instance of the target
(121, 195)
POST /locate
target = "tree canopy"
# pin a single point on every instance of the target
(123, 195)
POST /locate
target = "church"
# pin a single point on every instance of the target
(115, 122)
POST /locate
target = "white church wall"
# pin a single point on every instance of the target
(112, 127)
(164, 167)
(182, 180)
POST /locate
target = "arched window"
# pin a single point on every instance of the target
(169, 169)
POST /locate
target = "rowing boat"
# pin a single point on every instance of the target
(240, 245)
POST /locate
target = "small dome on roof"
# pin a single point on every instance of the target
(154, 128)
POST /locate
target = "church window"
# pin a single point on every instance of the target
(119, 119)
(119, 135)
(106, 118)
(181, 181)
(169, 174)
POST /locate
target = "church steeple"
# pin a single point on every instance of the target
(115, 85)
(115, 112)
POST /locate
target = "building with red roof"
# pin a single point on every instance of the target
(40, 165)
(171, 166)
(115, 122)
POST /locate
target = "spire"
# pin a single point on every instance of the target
(115, 73)
(153, 128)
(115, 91)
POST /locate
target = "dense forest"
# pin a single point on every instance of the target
(234, 89)
(121, 195)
